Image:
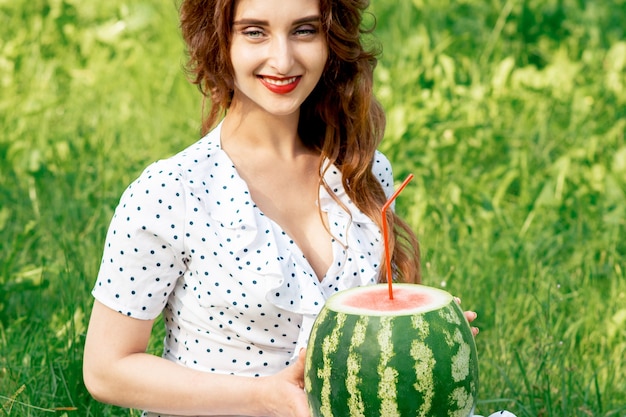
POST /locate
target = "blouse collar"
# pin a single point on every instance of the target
(290, 281)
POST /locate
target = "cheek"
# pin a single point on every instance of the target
(321, 57)
(242, 62)
(325, 57)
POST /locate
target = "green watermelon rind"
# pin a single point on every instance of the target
(431, 369)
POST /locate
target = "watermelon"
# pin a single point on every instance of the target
(371, 355)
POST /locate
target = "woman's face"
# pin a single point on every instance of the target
(278, 53)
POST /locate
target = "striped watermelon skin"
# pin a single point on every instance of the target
(372, 365)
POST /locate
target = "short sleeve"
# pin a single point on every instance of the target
(144, 252)
(383, 172)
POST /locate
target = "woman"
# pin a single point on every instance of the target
(240, 238)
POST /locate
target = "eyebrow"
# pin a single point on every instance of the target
(258, 22)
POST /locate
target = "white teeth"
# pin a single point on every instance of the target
(280, 82)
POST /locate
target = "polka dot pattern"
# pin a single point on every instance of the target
(237, 294)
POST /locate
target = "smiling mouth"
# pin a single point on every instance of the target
(280, 85)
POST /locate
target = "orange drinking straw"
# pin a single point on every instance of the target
(386, 233)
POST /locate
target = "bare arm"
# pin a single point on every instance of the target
(118, 371)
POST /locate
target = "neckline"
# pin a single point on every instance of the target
(280, 229)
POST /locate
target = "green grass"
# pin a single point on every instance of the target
(511, 115)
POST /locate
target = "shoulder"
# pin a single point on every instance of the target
(165, 188)
(182, 168)
(382, 170)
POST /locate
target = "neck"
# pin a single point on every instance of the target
(258, 130)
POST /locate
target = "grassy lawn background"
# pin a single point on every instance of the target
(511, 115)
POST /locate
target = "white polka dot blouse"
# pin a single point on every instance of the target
(236, 293)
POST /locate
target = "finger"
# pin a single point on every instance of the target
(470, 315)
(298, 368)
(475, 331)
(457, 300)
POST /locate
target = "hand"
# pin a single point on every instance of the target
(285, 394)
(470, 316)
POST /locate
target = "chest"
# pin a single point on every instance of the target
(243, 237)
(288, 196)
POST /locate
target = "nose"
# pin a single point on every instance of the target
(281, 55)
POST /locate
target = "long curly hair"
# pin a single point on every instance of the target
(340, 119)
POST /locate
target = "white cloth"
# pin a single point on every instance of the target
(237, 294)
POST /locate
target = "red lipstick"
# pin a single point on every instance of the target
(280, 85)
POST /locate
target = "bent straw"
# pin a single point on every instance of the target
(386, 233)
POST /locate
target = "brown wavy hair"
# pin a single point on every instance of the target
(340, 119)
